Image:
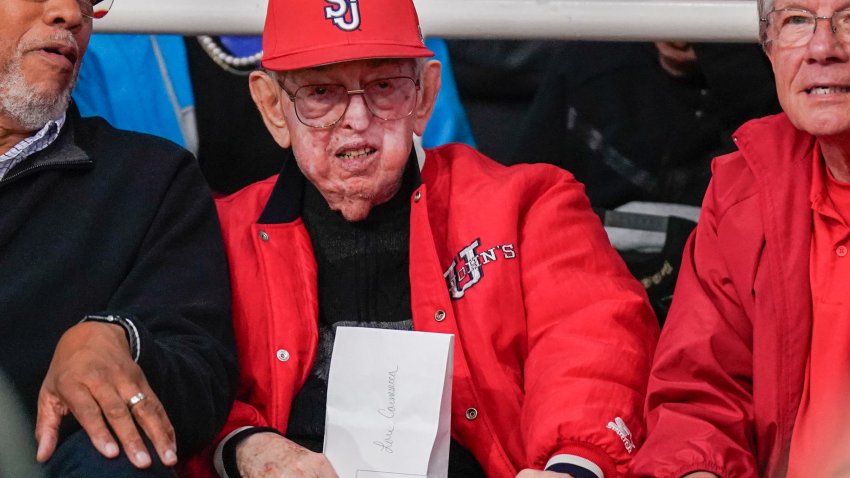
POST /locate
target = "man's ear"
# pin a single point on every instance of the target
(430, 77)
(269, 98)
(770, 50)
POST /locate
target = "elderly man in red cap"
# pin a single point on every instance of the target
(553, 338)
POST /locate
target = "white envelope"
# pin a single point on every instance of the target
(389, 403)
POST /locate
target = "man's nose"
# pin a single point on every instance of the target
(358, 115)
(64, 13)
(824, 45)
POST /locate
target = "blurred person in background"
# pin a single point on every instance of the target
(638, 124)
(641, 121)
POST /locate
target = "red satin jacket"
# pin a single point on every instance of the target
(553, 336)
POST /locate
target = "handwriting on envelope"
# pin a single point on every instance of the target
(389, 399)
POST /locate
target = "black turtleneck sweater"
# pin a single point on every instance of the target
(363, 281)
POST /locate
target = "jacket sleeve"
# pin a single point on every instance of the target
(591, 334)
(178, 296)
(699, 404)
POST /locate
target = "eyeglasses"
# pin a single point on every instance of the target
(793, 27)
(322, 106)
(95, 8)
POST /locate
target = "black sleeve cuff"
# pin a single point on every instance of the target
(228, 450)
(574, 470)
(130, 330)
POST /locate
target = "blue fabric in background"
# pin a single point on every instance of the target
(120, 80)
(242, 45)
(448, 122)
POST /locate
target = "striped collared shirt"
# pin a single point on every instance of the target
(29, 146)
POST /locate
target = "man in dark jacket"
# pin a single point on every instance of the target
(111, 263)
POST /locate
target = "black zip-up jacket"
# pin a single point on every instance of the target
(107, 221)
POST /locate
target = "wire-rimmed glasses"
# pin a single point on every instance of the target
(95, 8)
(794, 27)
(323, 105)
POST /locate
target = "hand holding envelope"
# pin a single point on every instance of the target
(389, 399)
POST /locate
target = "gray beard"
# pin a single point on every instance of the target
(24, 104)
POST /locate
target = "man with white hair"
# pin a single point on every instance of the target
(752, 372)
(553, 338)
(114, 293)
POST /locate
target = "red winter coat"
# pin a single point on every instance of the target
(553, 336)
(728, 374)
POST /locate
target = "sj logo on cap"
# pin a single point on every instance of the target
(345, 14)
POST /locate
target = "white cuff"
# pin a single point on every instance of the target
(137, 350)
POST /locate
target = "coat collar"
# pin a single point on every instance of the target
(64, 152)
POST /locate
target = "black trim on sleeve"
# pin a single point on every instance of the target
(574, 470)
(228, 452)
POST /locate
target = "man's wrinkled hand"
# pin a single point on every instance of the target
(92, 376)
(528, 473)
(268, 455)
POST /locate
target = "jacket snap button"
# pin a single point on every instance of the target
(841, 251)
(264, 236)
(440, 315)
(471, 414)
(282, 355)
(417, 196)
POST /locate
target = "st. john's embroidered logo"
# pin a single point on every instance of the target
(345, 14)
(467, 267)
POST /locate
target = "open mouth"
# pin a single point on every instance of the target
(69, 53)
(359, 153)
(828, 90)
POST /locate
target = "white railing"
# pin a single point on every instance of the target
(710, 20)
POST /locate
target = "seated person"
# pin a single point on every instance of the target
(752, 373)
(553, 336)
(114, 310)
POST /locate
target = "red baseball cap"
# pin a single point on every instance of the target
(307, 33)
